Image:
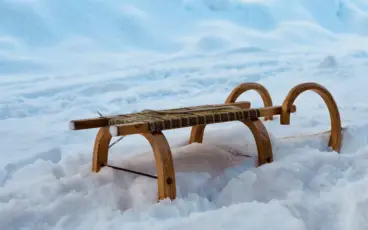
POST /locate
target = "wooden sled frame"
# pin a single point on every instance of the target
(250, 117)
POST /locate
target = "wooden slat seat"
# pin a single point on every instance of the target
(104, 121)
(155, 121)
(159, 120)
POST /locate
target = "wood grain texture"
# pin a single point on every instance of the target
(101, 149)
(336, 135)
(262, 139)
(164, 165)
(260, 89)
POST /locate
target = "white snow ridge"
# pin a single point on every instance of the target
(66, 60)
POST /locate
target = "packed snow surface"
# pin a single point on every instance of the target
(65, 60)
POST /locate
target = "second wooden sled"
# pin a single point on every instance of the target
(152, 123)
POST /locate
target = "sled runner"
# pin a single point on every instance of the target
(152, 123)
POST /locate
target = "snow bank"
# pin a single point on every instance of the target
(304, 185)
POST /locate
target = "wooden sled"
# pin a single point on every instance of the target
(152, 123)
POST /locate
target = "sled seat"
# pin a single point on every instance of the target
(149, 121)
(152, 123)
(133, 122)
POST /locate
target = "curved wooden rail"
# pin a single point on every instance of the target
(163, 157)
(101, 149)
(260, 134)
(263, 142)
(261, 90)
(336, 136)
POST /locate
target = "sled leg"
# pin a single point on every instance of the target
(101, 149)
(196, 135)
(336, 135)
(163, 157)
(164, 165)
(262, 139)
(259, 132)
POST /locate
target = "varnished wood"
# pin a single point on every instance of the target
(164, 165)
(196, 134)
(336, 135)
(163, 158)
(262, 139)
(104, 121)
(101, 149)
(260, 89)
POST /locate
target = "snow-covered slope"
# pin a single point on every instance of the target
(63, 60)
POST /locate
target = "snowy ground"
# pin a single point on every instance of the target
(65, 60)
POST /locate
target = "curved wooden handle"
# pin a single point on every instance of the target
(261, 90)
(336, 136)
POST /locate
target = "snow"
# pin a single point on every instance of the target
(65, 60)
